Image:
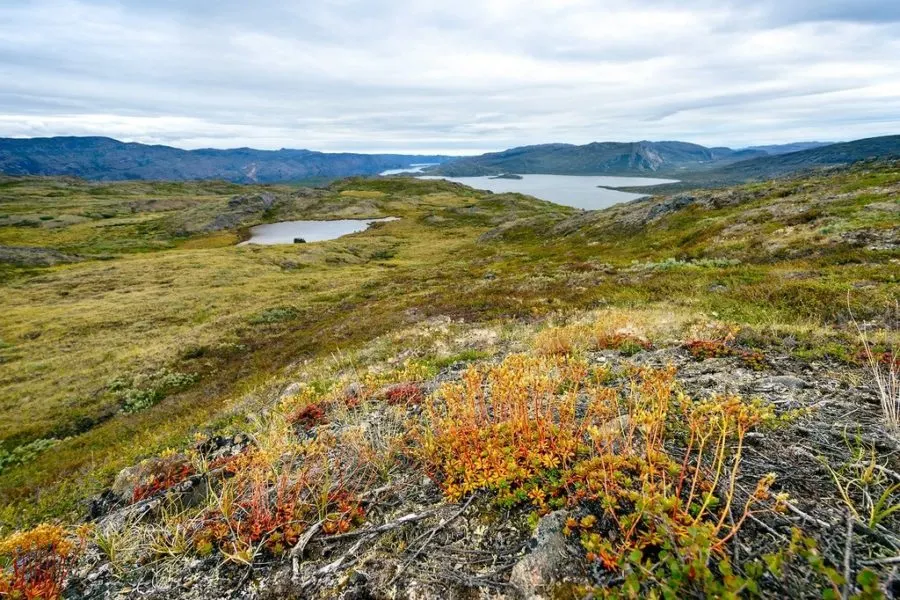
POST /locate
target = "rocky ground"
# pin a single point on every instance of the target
(414, 544)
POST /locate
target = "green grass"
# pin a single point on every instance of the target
(158, 293)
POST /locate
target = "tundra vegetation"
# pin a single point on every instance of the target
(686, 385)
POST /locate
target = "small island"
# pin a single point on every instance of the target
(506, 176)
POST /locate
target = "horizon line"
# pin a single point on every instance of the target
(445, 152)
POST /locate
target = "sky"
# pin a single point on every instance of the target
(460, 77)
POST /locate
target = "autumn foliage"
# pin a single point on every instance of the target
(167, 474)
(38, 561)
(657, 470)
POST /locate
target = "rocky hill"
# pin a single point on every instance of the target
(605, 158)
(105, 159)
(797, 163)
(768, 167)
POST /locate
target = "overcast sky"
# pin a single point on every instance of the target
(456, 77)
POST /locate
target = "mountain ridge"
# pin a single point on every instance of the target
(793, 163)
(107, 159)
(667, 157)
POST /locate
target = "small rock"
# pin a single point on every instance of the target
(103, 504)
(670, 205)
(291, 390)
(353, 390)
(357, 587)
(550, 562)
(889, 207)
(130, 478)
(490, 275)
(781, 381)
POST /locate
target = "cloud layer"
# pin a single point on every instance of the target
(460, 77)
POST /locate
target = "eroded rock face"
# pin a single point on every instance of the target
(262, 201)
(788, 382)
(552, 560)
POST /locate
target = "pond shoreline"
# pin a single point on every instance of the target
(310, 231)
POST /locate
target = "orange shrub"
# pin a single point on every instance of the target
(404, 394)
(658, 469)
(39, 561)
(309, 416)
(167, 473)
(556, 341)
(511, 427)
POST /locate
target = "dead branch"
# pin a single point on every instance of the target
(297, 550)
(410, 518)
(858, 527)
(431, 535)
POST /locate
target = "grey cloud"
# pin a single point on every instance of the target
(435, 76)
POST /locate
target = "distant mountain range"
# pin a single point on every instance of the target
(106, 159)
(609, 158)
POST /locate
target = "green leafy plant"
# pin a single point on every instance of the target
(145, 391)
(25, 453)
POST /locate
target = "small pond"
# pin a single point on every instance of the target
(310, 231)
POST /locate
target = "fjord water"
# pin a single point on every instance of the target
(310, 231)
(413, 168)
(579, 191)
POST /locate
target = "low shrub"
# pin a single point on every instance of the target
(309, 416)
(670, 264)
(404, 394)
(556, 341)
(656, 471)
(35, 562)
(626, 343)
(703, 349)
(278, 314)
(145, 391)
(167, 472)
(307, 408)
(277, 492)
(25, 453)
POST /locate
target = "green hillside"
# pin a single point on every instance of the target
(414, 399)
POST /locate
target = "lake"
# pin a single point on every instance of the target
(579, 191)
(414, 168)
(311, 231)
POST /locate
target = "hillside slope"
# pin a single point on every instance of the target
(106, 159)
(792, 163)
(767, 167)
(694, 165)
(492, 396)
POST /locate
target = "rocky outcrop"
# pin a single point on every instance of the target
(670, 205)
(21, 256)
